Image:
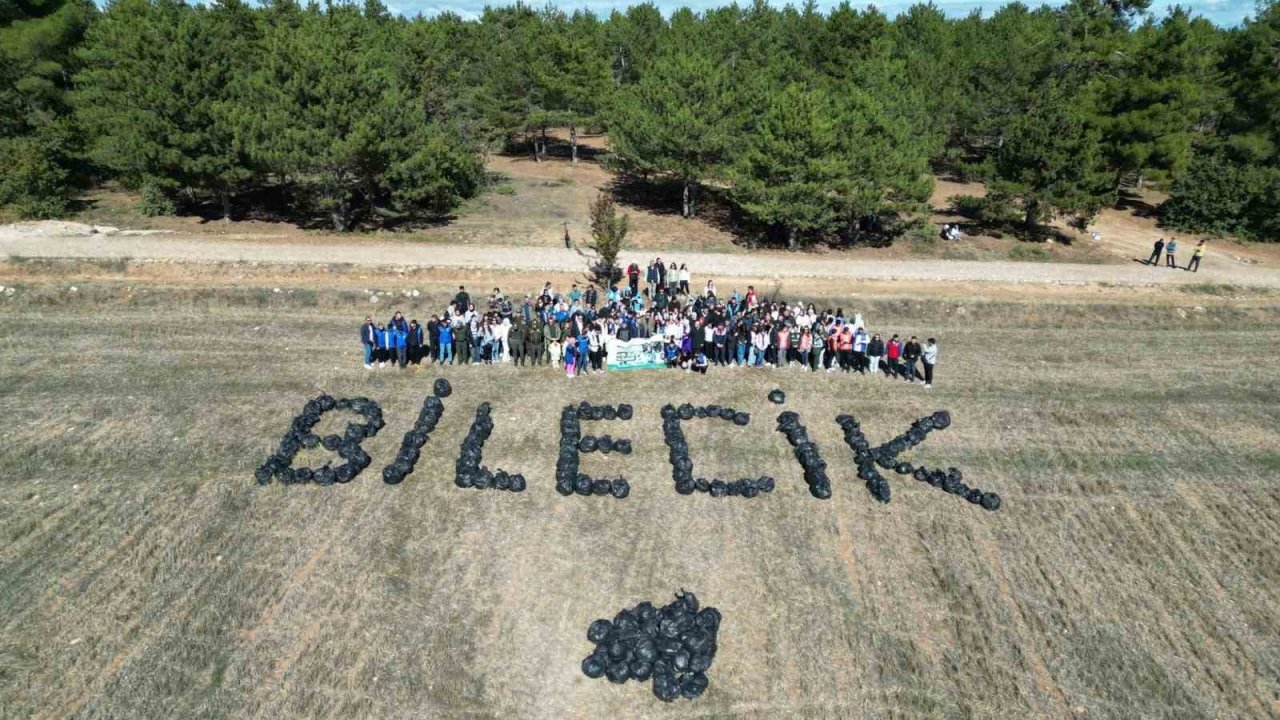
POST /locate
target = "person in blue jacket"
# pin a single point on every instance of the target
(398, 323)
(400, 343)
(369, 339)
(385, 351)
(446, 340)
(584, 346)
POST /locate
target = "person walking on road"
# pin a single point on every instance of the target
(1169, 249)
(1194, 264)
(1156, 251)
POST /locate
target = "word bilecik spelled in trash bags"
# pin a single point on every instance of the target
(673, 645)
(471, 472)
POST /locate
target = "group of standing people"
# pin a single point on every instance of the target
(574, 330)
(1170, 250)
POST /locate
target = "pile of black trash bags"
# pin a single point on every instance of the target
(885, 456)
(569, 480)
(411, 446)
(468, 472)
(673, 645)
(807, 452)
(280, 465)
(682, 464)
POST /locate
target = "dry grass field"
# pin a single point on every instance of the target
(1132, 572)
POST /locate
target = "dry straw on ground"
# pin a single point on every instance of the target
(1132, 572)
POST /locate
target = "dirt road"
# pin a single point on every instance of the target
(201, 249)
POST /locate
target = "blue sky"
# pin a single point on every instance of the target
(1222, 12)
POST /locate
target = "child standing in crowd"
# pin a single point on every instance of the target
(910, 353)
(446, 340)
(875, 350)
(570, 358)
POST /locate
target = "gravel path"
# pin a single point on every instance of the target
(20, 242)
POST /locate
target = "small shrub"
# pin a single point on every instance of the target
(155, 201)
(1028, 253)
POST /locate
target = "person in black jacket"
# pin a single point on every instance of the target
(462, 300)
(368, 338)
(910, 354)
(1156, 251)
(431, 339)
(875, 351)
(414, 342)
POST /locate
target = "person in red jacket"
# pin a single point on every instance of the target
(893, 353)
(633, 276)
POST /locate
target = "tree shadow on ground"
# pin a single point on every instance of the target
(1137, 205)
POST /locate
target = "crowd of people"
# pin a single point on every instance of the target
(1169, 250)
(573, 330)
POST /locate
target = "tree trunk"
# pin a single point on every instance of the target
(573, 144)
(686, 209)
(342, 215)
(533, 144)
(544, 142)
(791, 237)
(1032, 212)
(225, 198)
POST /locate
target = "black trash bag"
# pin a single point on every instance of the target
(718, 488)
(725, 413)
(593, 666)
(701, 485)
(700, 662)
(685, 487)
(974, 496)
(604, 444)
(686, 411)
(693, 686)
(766, 484)
(941, 420)
(517, 483)
(741, 418)
(303, 475)
(625, 412)
(564, 487)
(665, 687)
(331, 442)
(921, 473)
(641, 670)
(618, 671)
(645, 650)
(708, 618)
(990, 501)
(483, 480)
(441, 388)
(502, 480)
(601, 487)
(777, 397)
(582, 485)
(609, 412)
(263, 475)
(326, 476)
(904, 468)
(668, 412)
(700, 412)
(620, 488)
(344, 473)
(584, 410)
(587, 444)
(622, 446)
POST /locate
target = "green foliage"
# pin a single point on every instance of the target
(1051, 162)
(608, 236)
(35, 180)
(39, 142)
(1226, 196)
(679, 119)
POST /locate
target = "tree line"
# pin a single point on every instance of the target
(808, 126)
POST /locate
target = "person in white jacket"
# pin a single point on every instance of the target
(930, 357)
